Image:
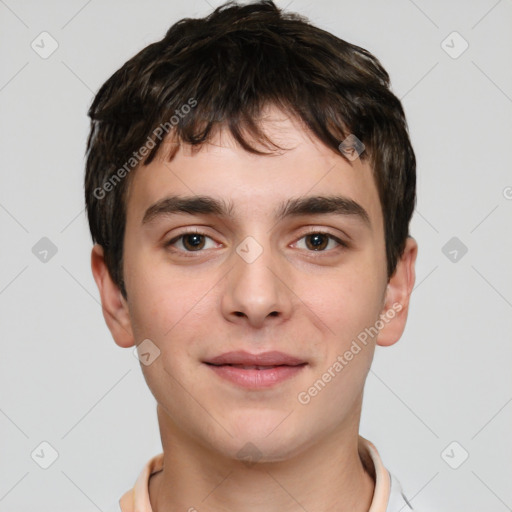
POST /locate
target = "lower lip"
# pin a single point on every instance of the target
(256, 379)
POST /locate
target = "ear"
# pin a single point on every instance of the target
(113, 304)
(398, 293)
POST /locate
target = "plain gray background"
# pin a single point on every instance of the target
(442, 393)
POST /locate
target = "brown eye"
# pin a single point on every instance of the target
(193, 242)
(317, 241)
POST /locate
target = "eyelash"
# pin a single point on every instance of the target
(341, 242)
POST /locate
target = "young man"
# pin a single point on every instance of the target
(249, 187)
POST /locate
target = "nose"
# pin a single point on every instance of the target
(256, 290)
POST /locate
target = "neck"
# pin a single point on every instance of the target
(333, 475)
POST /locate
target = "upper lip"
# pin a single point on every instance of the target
(272, 358)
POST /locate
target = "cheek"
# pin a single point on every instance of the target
(350, 311)
(347, 303)
(160, 312)
(165, 306)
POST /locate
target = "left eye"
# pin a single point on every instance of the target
(319, 241)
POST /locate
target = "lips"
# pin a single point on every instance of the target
(247, 361)
(256, 371)
(248, 367)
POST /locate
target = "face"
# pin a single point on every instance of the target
(257, 272)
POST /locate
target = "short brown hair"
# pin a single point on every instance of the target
(225, 68)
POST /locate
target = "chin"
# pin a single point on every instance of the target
(264, 437)
(268, 450)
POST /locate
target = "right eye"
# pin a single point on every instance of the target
(190, 241)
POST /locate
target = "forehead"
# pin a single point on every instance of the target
(254, 185)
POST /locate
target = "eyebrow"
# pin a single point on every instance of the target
(295, 207)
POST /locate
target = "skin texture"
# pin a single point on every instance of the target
(310, 304)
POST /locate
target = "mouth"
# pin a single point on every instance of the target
(255, 371)
(263, 359)
(253, 367)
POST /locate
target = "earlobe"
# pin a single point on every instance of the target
(115, 308)
(398, 293)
